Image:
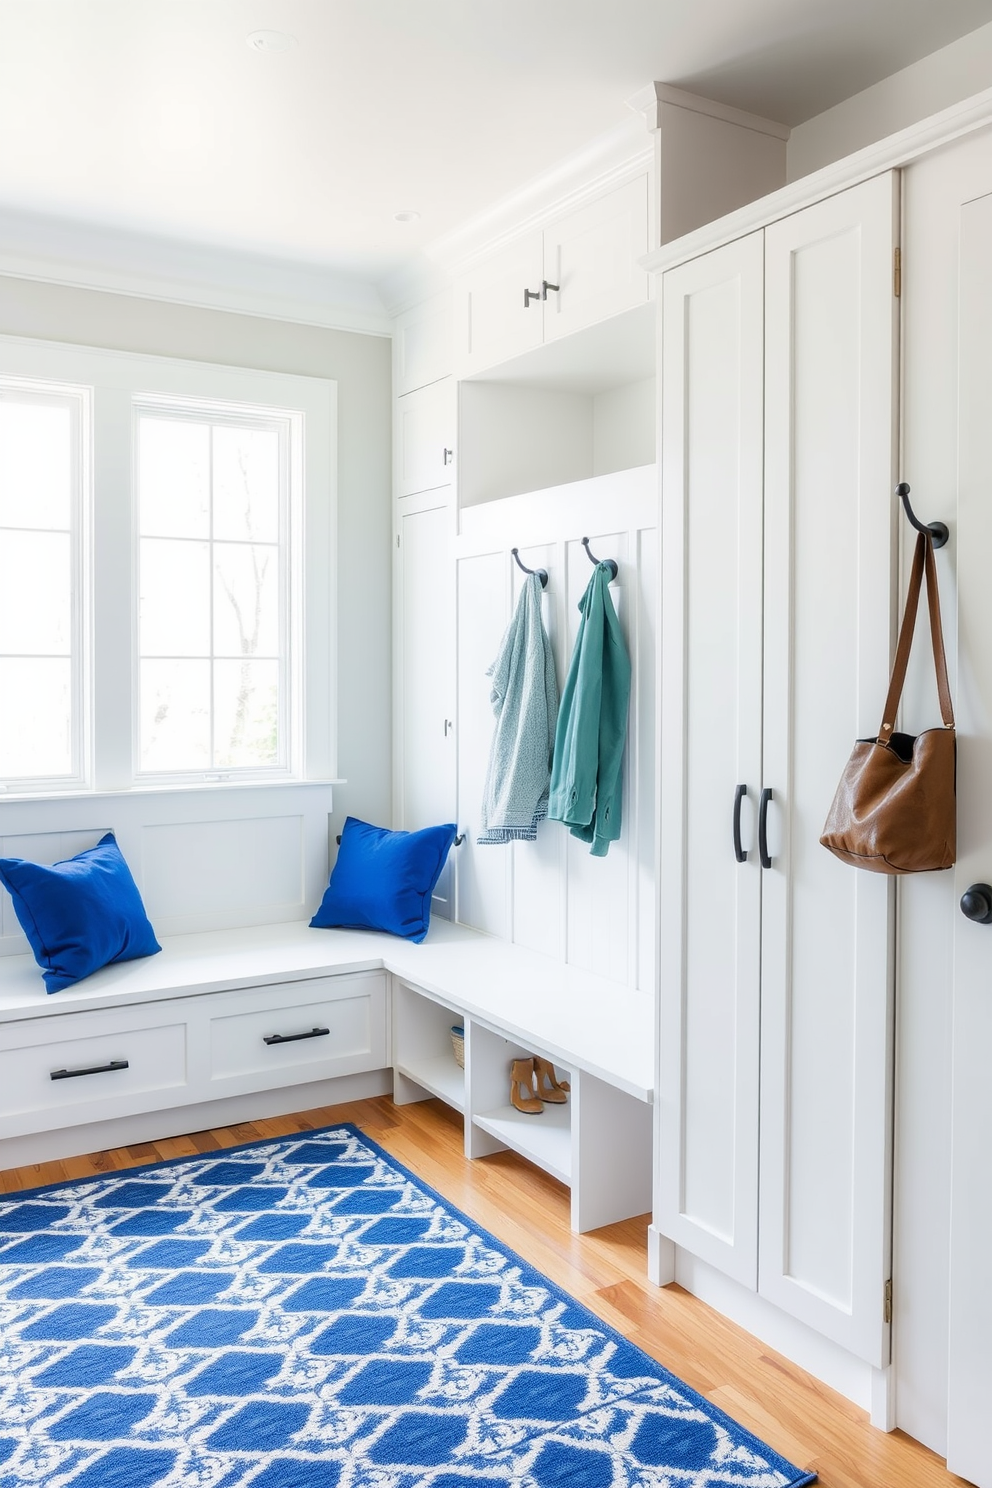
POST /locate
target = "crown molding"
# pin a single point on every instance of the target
(650, 100)
(891, 153)
(609, 160)
(78, 255)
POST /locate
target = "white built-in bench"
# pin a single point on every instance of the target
(229, 1025)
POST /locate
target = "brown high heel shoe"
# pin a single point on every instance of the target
(549, 1088)
(522, 1087)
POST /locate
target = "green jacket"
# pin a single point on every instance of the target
(587, 775)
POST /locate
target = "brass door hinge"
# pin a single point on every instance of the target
(897, 273)
(887, 1303)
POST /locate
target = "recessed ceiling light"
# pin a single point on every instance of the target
(406, 216)
(270, 41)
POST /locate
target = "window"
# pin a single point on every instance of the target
(166, 583)
(215, 589)
(42, 432)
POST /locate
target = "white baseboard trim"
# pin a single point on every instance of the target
(153, 1126)
(820, 1356)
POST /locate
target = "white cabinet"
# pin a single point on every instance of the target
(592, 255)
(712, 373)
(493, 320)
(422, 344)
(779, 411)
(425, 438)
(425, 760)
(582, 269)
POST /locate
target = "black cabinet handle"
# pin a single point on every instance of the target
(739, 852)
(766, 796)
(292, 1038)
(976, 903)
(97, 1069)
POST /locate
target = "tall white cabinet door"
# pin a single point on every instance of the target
(826, 1010)
(492, 322)
(425, 438)
(969, 1443)
(592, 256)
(426, 766)
(710, 747)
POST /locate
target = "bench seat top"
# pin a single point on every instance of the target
(572, 1016)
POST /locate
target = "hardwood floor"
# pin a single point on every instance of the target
(803, 1419)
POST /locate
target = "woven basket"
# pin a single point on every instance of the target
(458, 1044)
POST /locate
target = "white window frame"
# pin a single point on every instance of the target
(290, 426)
(80, 404)
(117, 383)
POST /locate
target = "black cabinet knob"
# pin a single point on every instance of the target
(976, 903)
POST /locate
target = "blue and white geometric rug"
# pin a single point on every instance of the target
(305, 1313)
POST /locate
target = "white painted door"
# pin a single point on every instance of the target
(425, 438)
(969, 1441)
(712, 333)
(426, 742)
(592, 256)
(492, 320)
(826, 1001)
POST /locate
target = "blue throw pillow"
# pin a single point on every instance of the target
(384, 880)
(79, 914)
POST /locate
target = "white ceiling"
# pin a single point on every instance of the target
(155, 116)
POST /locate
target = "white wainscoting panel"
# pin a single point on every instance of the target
(203, 859)
(37, 847)
(552, 896)
(209, 868)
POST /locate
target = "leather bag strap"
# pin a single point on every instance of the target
(923, 563)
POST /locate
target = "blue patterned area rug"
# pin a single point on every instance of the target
(305, 1313)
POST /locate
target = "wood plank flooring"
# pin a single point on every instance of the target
(804, 1420)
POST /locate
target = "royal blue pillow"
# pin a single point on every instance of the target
(79, 914)
(384, 880)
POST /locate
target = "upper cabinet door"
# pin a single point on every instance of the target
(827, 980)
(492, 321)
(710, 748)
(422, 349)
(592, 256)
(425, 438)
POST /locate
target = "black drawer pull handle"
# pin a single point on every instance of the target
(763, 853)
(98, 1069)
(292, 1038)
(739, 852)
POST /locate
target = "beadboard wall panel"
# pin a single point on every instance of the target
(551, 895)
(204, 859)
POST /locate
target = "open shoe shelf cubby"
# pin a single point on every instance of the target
(577, 1143)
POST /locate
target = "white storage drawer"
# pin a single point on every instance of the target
(296, 1031)
(95, 1059)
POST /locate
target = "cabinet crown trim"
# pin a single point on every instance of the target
(896, 150)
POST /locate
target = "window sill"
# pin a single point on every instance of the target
(198, 787)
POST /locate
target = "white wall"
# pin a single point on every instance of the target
(361, 366)
(934, 189)
(934, 83)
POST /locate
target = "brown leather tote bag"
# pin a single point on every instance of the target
(895, 808)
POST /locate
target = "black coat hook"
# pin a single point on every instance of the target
(542, 573)
(937, 530)
(611, 562)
